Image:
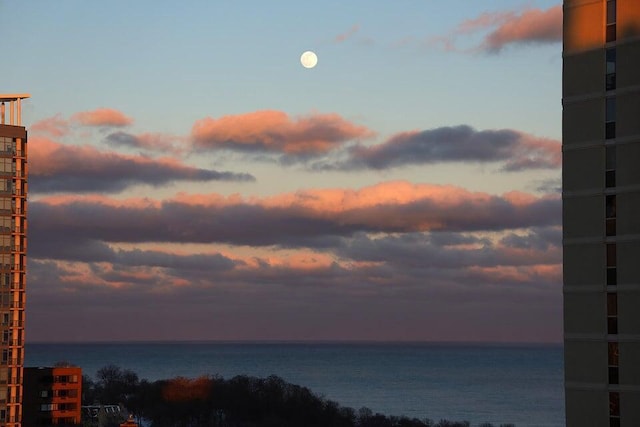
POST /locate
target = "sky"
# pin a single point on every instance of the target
(190, 180)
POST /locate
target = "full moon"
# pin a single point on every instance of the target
(308, 59)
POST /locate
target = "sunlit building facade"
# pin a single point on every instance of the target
(52, 396)
(601, 212)
(13, 243)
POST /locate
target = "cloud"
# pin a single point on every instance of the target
(102, 117)
(146, 141)
(290, 218)
(54, 126)
(517, 150)
(57, 167)
(533, 26)
(505, 28)
(272, 131)
(447, 276)
(342, 37)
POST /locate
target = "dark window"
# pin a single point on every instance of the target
(611, 12)
(611, 33)
(612, 276)
(610, 215)
(613, 354)
(614, 422)
(612, 325)
(614, 403)
(613, 375)
(610, 166)
(610, 118)
(611, 21)
(611, 69)
(610, 202)
(610, 178)
(611, 255)
(610, 130)
(612, 304)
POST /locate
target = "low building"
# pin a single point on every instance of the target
(52, 396)
(103, 415)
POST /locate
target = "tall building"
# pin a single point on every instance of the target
(13, 243)
(601, 212)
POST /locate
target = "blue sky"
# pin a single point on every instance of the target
(410, 177)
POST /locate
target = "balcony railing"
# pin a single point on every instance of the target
(11, 267)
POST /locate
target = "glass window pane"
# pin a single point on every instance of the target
(610, 130)
(613, 375)
(612, 276)
(612, 304)
(610, 81)
(610, 178)
(614, 403)
(611, 60)
(611, 227)
(613, 354)
(611, 33)
(610, 114)
(612, 325)
(611, 11)
(610, 202)
(611, 255)
(610, 154)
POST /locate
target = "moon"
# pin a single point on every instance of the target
(309, 59)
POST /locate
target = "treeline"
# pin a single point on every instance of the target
(241, 401)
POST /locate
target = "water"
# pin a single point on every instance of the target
(519, 384)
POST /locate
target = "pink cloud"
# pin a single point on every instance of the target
(102, 117)
(291, 218)
(485, 20)
(549, 273)
(532, 26)
(55, 126)
(340, 38)
(275, 131)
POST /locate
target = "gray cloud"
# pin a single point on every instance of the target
(80, 169)
(518, 151)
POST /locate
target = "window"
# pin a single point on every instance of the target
(611, 255)
(611, 21)
(613, 354)
(612, 325)
(610, 80)
(44, 393)
(612, 313)
(612, 304)
(614, 403)
(610, 118)
(610, 215)
(45, 407)
(610, 166)
(614, 375)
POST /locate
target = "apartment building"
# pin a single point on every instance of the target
(13, 244)
(601, 212)
(52, 397)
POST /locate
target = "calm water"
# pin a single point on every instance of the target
(480, 383)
